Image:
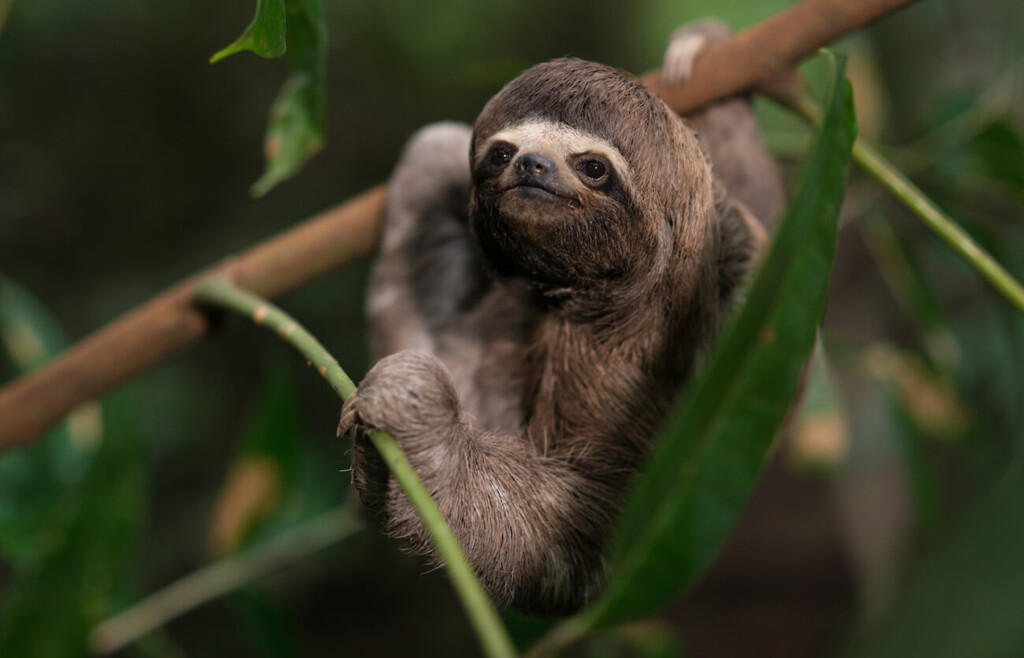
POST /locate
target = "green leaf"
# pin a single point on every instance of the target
(265, 35)
(699, 476)
(295, 132)
(36, 480)
(49, 611)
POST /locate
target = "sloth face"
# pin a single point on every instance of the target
(582, 178)
(541, 159)
(553, 204)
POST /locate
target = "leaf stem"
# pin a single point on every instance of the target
(222, 577)
(876, 165)
(219, 292)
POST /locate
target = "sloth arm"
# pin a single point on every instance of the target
(531, 525)
(427, 273)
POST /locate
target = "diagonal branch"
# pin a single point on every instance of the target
(168, 323)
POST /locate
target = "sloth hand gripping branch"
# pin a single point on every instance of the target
(539, 306)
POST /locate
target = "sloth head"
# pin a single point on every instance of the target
(581, 176)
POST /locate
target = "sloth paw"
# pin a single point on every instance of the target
(686, 44)
(409, 395)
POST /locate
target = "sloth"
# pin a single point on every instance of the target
(539, 307)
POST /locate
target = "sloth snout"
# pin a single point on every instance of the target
(534, 164)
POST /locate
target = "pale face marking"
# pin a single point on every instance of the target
(558, 142)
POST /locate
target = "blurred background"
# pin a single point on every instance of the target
(890, 523)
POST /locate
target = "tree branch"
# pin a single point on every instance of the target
(170, 322)
(167, 324)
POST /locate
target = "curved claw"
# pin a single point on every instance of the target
(349, 415)
(682, 51)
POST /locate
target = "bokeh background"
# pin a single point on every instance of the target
(891, 522)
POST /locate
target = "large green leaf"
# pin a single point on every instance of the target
(296, 131)
(701, 473)
(265, 35)
(36, 480)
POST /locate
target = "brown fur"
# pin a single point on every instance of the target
(552, 332)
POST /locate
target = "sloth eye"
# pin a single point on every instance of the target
(594, 169)
(500, 156)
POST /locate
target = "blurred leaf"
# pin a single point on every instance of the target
(1001, 147)
(927, 396)
(966, 596)
(35, 480)
(296, 129)
(28, 333)
(267, 631)
(71, 586)
(896, 373)
(913, 291)
(265, 35)
(524, 630)
(279, 479)
(643, 639)
(700, 474)
(270, 448)
(249, 495)
(820, 436)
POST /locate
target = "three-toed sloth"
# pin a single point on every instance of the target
(539, 306)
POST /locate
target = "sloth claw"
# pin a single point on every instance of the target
(686, 44)
(682, 51)
(349, 414)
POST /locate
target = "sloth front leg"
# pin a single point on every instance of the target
(531, 525)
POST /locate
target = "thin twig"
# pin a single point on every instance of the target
(479, 608)
(222, 577)
(167, 324)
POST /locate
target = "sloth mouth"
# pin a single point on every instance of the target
(534, 189)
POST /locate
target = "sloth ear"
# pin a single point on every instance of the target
(740, 239)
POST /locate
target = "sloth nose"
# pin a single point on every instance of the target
(534, 164)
